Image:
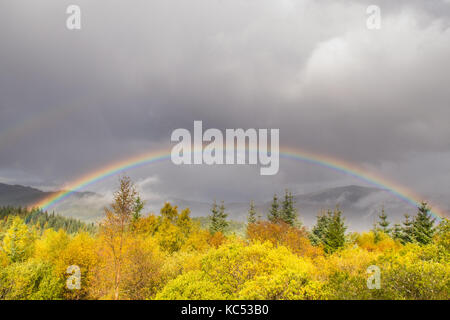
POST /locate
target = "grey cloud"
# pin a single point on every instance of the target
(136, 72)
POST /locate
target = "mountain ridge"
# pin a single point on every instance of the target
(25, 196)
(360, 204)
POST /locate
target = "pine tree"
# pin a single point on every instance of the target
(329, 231)
(397, 232)
(218, 218)
(376, 232)
(214, 217)
(423, 225)
(407, 230)
(223, 217)
(383, 222)
(138, 206)
(251, 218)
(335, 231)
(274, 214)
(288, 213)
(318, 232)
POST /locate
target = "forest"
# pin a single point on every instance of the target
(130, 255)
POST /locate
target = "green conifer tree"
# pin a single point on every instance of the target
(218, 218)
(383, 223)
(376, 232)
(251, 217)
(274, 213)
(423, 225)
(397, 232)
(138, 206)
(318, 232)
(407, 230)
(288, 212)
(335, 231)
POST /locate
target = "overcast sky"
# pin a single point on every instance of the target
(74, 101)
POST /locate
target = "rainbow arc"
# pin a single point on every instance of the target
(335, 164)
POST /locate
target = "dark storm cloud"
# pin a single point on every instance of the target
(136, 72)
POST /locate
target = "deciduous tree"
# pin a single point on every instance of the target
(115, 226)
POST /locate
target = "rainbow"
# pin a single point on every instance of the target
(32, 124)
(346, 168)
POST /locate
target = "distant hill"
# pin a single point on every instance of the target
(17, 195)
(75, 206)
(360, 205)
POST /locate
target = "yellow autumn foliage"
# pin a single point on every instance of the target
(171, 257)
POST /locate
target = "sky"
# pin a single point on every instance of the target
(72, 101)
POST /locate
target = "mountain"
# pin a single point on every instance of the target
(23, 196)
(360, 205)
(17, 195)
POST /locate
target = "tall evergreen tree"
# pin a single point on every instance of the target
(423, 225)
(335, 231)
(397, 232)
(251, 217)
(376, 232)
(214, 217)
(318, 232)
(218, 218)
(288, 212)
(329, 231)
(383, 223)
(274, 213)
(223, 216)
(138, 206)
(407, 230)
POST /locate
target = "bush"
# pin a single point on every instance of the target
(237, 271)
(30, 280)
(193, 285)
(282, 234)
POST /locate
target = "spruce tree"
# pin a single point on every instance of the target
(274, 214)
(335, 231)
(318, 232)
(288, 213)
(214, 217)
(251, 218)
(223, 216)
(138, 206)
(397, 232)
(218, 218)
(407, 230)
(423, 225)
(383, 223)
(376, 232)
